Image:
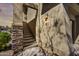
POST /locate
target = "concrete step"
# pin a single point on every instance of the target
(28, 44)
(26, 38)
(27, 34)
(29, 41)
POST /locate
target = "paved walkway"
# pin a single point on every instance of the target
(6, 53)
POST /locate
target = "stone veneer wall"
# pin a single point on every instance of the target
(53, 31)
(17, 34)
(17, 38)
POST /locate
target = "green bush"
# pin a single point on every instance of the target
(4, 39)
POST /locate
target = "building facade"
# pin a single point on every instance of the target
(54, 27)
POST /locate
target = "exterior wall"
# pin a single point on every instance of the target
(54, 31)
(21, 35)
(17, 34)
(18, 14)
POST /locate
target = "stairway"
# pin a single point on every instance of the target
(28, 38)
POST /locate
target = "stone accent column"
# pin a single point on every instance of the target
(17, 34)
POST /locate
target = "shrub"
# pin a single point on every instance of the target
(4, 39)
